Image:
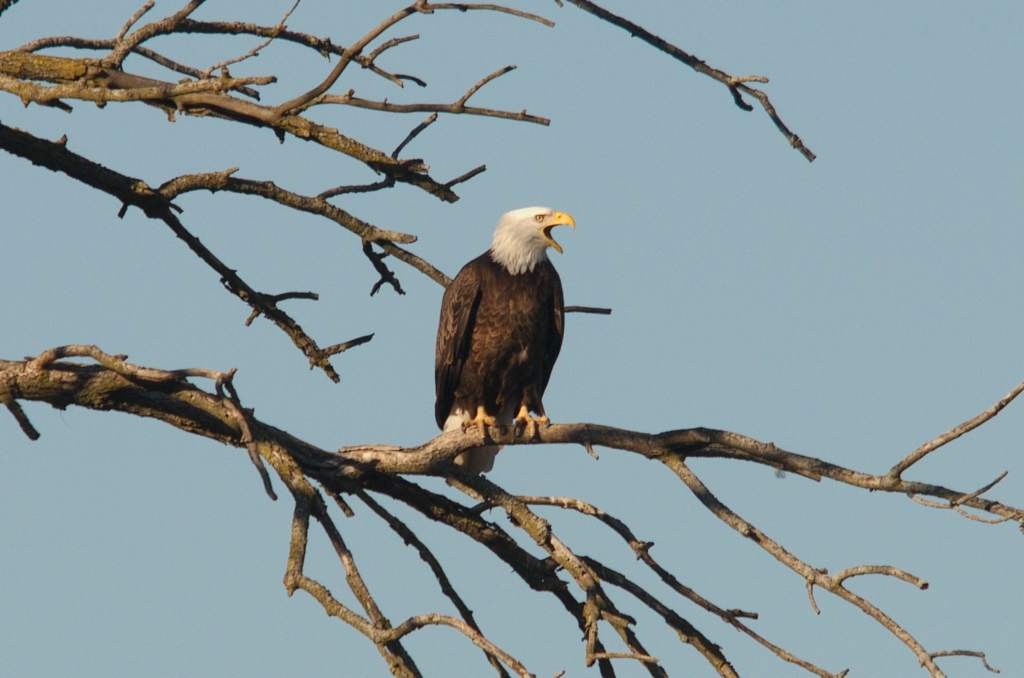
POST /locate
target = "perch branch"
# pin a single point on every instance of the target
(113, 383)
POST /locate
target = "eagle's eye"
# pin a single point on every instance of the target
(538, 218)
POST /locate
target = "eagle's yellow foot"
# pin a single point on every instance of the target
(527, 425)
(482, 420)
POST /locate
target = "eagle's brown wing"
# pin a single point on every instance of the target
(454, 334)
(553, 342)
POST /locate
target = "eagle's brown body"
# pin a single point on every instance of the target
(497, 340)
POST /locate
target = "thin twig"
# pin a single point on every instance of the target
(234, 406)
(386, 182)
(386, 274)
(954, 433)
(735, 85)
(388, 44)
(255, 50)
(966, 653)
(427, 122)
(9, 399)
(980, 491)
(133, 19)
(588, 309)
(350, 99)
(887, 570)
(467, 6)
(467, 176)
(335, 349)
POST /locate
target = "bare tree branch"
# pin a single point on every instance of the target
(350, 99)
(91, 81)
(736, 85)
(954, 433)
(115, 384)
(467, 6)
(134, 19)
(255, 50)
(125, 43)
(588, 309)
(980, 656)
(109, 382)
(135, 192)
(642, 549)
(810, 574)
(6, 5)
(410, 538)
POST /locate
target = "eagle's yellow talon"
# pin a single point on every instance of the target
(482, 420)
(527, 425)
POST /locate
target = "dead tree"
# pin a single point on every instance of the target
(594, 594)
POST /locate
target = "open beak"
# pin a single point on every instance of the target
(556, 219)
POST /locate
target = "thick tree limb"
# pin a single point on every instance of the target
(692, 443)
(90, 80)
(167, 395)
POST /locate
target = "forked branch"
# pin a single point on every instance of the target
(113, 383)
(737, 85)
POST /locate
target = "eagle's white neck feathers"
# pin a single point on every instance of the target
(518, 244)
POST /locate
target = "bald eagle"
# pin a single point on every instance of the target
(500, 332)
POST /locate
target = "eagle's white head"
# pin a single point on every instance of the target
(523, 236)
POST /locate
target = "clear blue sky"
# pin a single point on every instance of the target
(849, 309)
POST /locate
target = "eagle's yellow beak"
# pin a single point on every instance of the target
(556, 219)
